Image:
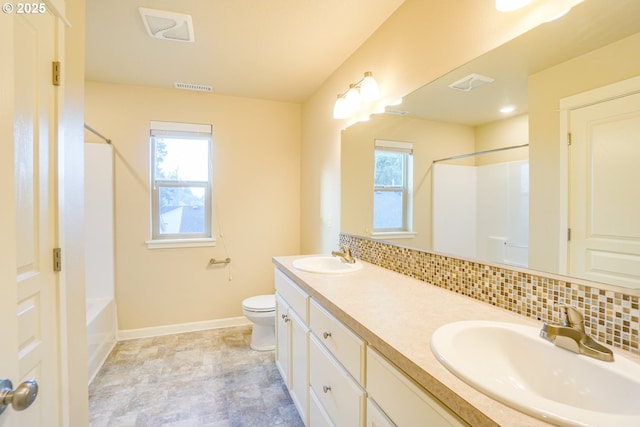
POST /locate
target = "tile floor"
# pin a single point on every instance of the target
(199, 379)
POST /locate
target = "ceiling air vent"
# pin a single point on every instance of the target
(165, 25)
(395, 112)
(191, 86)
(471, 82)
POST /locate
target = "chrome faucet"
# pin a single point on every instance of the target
(571, 336)
(345, 255)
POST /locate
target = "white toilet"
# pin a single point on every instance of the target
(261, 310)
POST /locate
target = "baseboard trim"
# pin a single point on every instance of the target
(157, 331)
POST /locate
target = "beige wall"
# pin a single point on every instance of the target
(508, 132)
(427, 138)
(256, 202)
(420, 42)
(611, 64)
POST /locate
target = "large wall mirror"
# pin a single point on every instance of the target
(506, 187)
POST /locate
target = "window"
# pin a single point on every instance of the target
(181, 184)
(392, 186)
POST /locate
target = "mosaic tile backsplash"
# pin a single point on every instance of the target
(611, 317)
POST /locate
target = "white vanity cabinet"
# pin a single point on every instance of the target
(335, 379)
(337, 368)
(404, 403)
(292, 340)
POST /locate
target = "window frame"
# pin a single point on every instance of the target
(406, 149)
(179, 130)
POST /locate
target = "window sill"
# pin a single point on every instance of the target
(180, 243)
(394, 235)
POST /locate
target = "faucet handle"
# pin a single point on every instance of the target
(572, 317)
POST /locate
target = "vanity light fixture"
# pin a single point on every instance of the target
(349, 103)
(511, 5)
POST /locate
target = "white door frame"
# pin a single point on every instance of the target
(72, 342)
(584, 99)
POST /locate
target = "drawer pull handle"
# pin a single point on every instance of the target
(326, 335)
(285, 318)
(326, 388)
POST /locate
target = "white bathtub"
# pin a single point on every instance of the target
(101, 332)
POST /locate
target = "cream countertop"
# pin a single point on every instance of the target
(397, 315)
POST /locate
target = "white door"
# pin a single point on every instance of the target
(28, 282)
(604, 195)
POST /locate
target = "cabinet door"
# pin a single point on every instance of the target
(375, 416)
(299, 365)
(283, 340)
(403, 401)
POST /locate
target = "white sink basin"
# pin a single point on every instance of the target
(325, 264)
(512, 364)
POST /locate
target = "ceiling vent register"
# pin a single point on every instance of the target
(165, 25)
(192, 86)
(470, 82)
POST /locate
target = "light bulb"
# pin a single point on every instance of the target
(369, 87)
(352, 99)
(340, 110)
(364, 118)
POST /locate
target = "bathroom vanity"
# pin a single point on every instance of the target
(354, 350)
(334, 377)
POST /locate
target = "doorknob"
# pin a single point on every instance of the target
(20, 398)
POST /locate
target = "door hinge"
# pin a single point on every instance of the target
(55, 73)
(569, 138)
(57, 259)
(568, 234)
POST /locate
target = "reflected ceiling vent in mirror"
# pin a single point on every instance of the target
(165, 25)
(191, 86)
(395, 112)
(471, 82)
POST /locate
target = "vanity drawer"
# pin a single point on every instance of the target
(318, 417)
(346, 346)
(340, 396)
(406, 404)
(297, 299)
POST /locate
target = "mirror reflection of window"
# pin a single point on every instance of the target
(392, 186)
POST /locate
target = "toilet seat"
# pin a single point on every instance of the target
(260, 303)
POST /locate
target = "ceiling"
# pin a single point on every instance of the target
(269, 49)
(589, 25)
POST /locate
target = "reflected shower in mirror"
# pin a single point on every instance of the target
(591, 48)
(481, 211)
